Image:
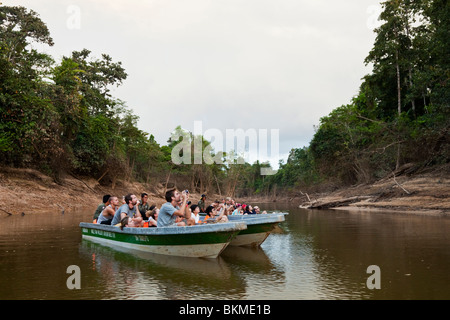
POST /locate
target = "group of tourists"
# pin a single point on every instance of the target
(177, 211)
(229, 206)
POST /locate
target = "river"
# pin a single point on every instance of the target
(313, 255)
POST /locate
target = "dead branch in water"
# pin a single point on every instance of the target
(335, 203)
(306, 195)
(61, 208)
(9, 213)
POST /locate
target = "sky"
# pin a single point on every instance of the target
(270, 67)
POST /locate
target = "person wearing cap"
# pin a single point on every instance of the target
(202, 203)
(245, 208)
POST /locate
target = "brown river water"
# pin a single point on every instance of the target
(314, 255)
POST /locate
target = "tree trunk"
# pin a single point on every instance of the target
(399, 106)
(397, 164)
(408, 35)
(399, 92)
(218, 187)
(167, 181)
(413, 102)
(130, 171)
(98, 180)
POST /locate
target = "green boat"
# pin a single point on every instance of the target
(201, 241)
(258, 229)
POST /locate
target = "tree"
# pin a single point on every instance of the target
(18, 28)
(97, 77)
(30, 126)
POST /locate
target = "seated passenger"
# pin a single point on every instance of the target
(152, 216)
(222, 217)
(144, 206)
(218, 214)
(195, 210)
(107, 215)
(211, 207)
(202, 203)
(248, 209)
(101, 207)
(229, 210)
(129, 209)
(238, 210)
(170, 210)
(130, 223)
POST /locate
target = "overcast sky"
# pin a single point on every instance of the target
(232, 64)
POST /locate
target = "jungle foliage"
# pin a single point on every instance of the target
(60, 117)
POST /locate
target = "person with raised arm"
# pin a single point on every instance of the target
(176, 206)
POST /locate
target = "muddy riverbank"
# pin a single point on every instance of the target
(426, 192)
(27, 191)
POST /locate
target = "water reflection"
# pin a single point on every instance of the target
(410, 250)
(260, 273)
(315, 255)
(154, 276)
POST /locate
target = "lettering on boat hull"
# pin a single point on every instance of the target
(102, 233)
(199, 250)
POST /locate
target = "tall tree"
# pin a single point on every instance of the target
(30, 125)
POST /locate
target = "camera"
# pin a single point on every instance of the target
(187, 191)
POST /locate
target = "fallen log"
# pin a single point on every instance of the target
(9, 213)
(334, 202)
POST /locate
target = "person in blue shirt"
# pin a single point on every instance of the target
(128, 209)
(172, 209)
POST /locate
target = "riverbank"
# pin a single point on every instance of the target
(424, 193)
(27, 191)
(407, 191)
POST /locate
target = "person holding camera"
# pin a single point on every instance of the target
(218, 213)
(171, 210)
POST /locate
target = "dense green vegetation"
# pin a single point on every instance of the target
(401, 113)
(59, 116)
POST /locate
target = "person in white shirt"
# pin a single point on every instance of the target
(195, 209)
